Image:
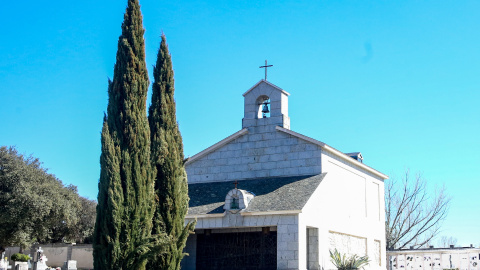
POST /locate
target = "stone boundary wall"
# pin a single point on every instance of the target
(57, 254)
(435, 259)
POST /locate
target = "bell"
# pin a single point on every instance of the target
(265, 108)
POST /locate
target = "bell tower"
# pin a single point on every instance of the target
(266, 105)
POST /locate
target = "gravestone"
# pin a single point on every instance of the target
(3, 262)
(41, 263)
(21, 266)
(70, 265)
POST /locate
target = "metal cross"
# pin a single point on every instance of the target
(235, 183)
(266, 66)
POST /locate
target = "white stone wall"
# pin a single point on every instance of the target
(377, 253)
(435, 259)
(263, 152)
(347, 244)
(349, 202)
(84, 256)
(57, 254)
(312, 249)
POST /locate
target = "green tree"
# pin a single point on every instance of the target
(122, 237)
(34, 205)
(82, 232)
(171, 186)
(62, 230)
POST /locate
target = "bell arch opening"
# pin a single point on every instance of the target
(263, 109)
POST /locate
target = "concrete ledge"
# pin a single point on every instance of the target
(287, 212)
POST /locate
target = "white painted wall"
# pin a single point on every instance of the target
(347, 208)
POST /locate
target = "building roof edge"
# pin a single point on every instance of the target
(217, 145)
(333, 151)
(269, 83)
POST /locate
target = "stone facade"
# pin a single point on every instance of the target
(260, 153)
(285, 225)
(344, 209)
(259, 149)
(254, 97)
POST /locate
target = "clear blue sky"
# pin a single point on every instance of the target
(397, 80)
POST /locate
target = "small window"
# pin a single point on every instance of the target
(234, 204)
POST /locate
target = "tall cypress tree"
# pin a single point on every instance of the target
(124, 212)
(171, 186)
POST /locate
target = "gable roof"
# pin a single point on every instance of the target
(323, 145)
(334, 151)
(269, 83)
(271, 194)
(217, 145)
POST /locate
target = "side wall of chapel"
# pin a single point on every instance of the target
(348, 211)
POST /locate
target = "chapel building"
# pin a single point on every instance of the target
(267, 197)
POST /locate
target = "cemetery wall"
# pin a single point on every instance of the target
(57, 254)
(435, 259)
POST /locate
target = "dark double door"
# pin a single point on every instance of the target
(237, 251)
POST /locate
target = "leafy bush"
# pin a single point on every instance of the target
(19, 257)
(342, 262)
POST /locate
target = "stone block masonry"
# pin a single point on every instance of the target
(287, 228)
(266, 153)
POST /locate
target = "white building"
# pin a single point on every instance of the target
(296, 198)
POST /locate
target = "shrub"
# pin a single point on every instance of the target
(19, 257)
(344, 263)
